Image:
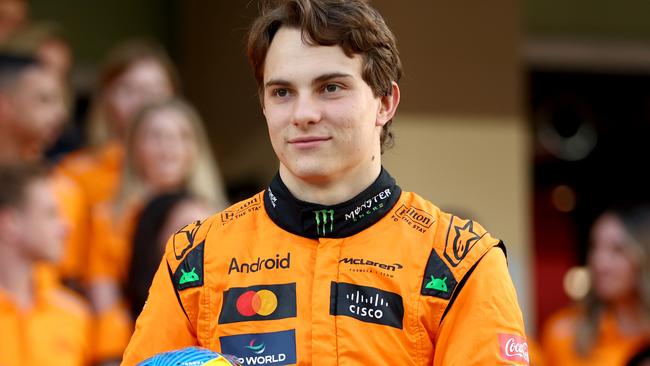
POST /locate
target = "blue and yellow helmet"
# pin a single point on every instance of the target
(191, 356)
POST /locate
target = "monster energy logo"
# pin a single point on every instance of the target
(323, 217)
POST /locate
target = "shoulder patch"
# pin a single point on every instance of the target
(190, 272)
(241, 209)
(183, 240)
(462, 235)
(438, 279)
(416, 218)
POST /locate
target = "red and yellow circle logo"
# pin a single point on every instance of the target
(262, 302)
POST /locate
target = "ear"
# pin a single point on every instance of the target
(388, 105)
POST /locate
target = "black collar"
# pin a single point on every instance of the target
(313, 220)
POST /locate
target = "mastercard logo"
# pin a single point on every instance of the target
(262, 302)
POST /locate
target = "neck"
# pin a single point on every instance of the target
(629, 315)
(16, 276)
(333, 189)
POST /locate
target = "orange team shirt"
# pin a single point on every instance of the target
(383, 277)
(612, 347)
(54, 332)
(96, 172)
(110, 242)
(74, 210)
(109, 258)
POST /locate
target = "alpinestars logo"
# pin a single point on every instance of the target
(464, 239)
(367, 304)
(185, 235)
(324, 221)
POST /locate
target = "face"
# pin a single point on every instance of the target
(611, 260)
(165, 148)
(144, 82)
(43, 229)
(56, 55)
(323, 119)
(13, 14)
(39, 107)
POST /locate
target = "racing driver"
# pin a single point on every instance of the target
(332, 264)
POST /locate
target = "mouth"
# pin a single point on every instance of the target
(308, 142)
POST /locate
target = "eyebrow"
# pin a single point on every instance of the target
(318, 80)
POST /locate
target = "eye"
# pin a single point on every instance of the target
(332, 88)
(281, 92)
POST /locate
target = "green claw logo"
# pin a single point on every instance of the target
(322, 220)
(187, 277)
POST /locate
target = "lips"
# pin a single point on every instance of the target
(307, 142)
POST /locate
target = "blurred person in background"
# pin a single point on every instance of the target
(32, 107)
(163, 216)
(42, 323)
(32, 111)
(14, 14)
(613, 322)
(48, 43)
(166, 151)
(134, 74)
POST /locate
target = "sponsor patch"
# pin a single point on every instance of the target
(190, 272)
(246, 207)
(260, 264)
(514, 348)
(438, 280)
(262, 302)
(183, 239)
(461, 238)
(276, 348)
(362, 265)
(367, 304)
(415, 218)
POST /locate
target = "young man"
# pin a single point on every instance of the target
(42, 324)
(332, 264)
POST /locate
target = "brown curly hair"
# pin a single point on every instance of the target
(353, 25)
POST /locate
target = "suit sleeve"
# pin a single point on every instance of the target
(162, 325)
(484, 325)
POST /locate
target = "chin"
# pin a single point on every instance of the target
(313, 171)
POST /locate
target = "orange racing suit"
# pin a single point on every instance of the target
(384, 277)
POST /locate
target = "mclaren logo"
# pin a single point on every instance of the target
(365, 262)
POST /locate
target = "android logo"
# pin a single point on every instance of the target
(190, 276)
(437, 284)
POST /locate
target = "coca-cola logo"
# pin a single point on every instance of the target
(514, 348)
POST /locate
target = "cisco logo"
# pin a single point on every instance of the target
(366, 307)
(367, 304)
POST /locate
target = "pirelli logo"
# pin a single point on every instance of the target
(414, 217)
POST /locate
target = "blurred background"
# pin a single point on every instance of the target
(529, 116)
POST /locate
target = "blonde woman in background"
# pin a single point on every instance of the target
(614, 320)
(135, 73)
(166, 151)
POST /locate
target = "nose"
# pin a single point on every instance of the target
(306, 111)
